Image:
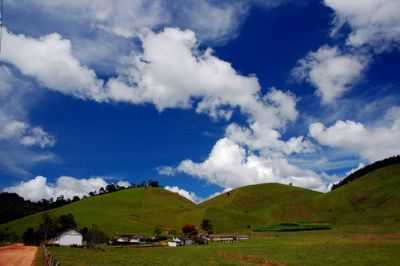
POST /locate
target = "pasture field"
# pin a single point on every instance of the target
(336, 247)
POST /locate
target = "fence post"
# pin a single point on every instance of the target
(48, 259)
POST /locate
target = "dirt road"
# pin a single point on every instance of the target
(17, 255)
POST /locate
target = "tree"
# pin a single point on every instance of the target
(207, 226)
(189, 230)
(48, 228)
(95, 236)
(153, 183)
(66, 221)
(111, 188)
(157, 231)
(29, 237)
(172, 232)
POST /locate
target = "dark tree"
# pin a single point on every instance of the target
(207, 226)
(157, 231)
(111, 188)
(48, 228)
(13, 207)
(66, 221)
(29, 237)
(153, 183)
(189, 230)
(95, 236)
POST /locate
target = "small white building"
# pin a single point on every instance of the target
(68, 238)
(128, 239)
(175, 242)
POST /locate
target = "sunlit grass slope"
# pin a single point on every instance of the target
(372, 199)
(127, 211)
(244, 208)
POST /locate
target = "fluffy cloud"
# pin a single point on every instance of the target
(173, 73)
(267, 140)
(124, 184)
(50, 61)
(38, 188)
(184, 193)
(371, 143)
(24, 134)
(122, 17)
(330, 71)
(193, 79)
(213, 21)
(230, 165)
(374, 22)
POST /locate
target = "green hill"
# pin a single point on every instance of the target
(256, 205)
(127, 211)
(372, 199)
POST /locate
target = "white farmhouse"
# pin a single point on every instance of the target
(68, 238)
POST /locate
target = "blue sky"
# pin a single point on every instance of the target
(204, 96)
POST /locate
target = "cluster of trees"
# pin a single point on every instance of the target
(48, 229)
(94, 236)
(190, 230)
(367, 169)
(114, 187)
(14, 206)
(52, 227)
(8, 237)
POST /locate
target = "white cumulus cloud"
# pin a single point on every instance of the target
(39, 188)
(371, 143)
(173, 72)
(332, 72)
(184, 193)
(229, 166)
(373, 22)
(49, 60)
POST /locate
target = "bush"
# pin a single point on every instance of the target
(189, 230)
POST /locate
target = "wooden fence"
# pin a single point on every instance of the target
(48, 259)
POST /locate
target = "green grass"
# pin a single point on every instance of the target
(39, 258)
(301, 248)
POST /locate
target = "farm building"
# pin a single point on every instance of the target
(227, 238)
(176, 242)
(68, 238)
(128, 240)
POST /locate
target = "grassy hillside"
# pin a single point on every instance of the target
(245, 208)
(370, 200)
(126, 211)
